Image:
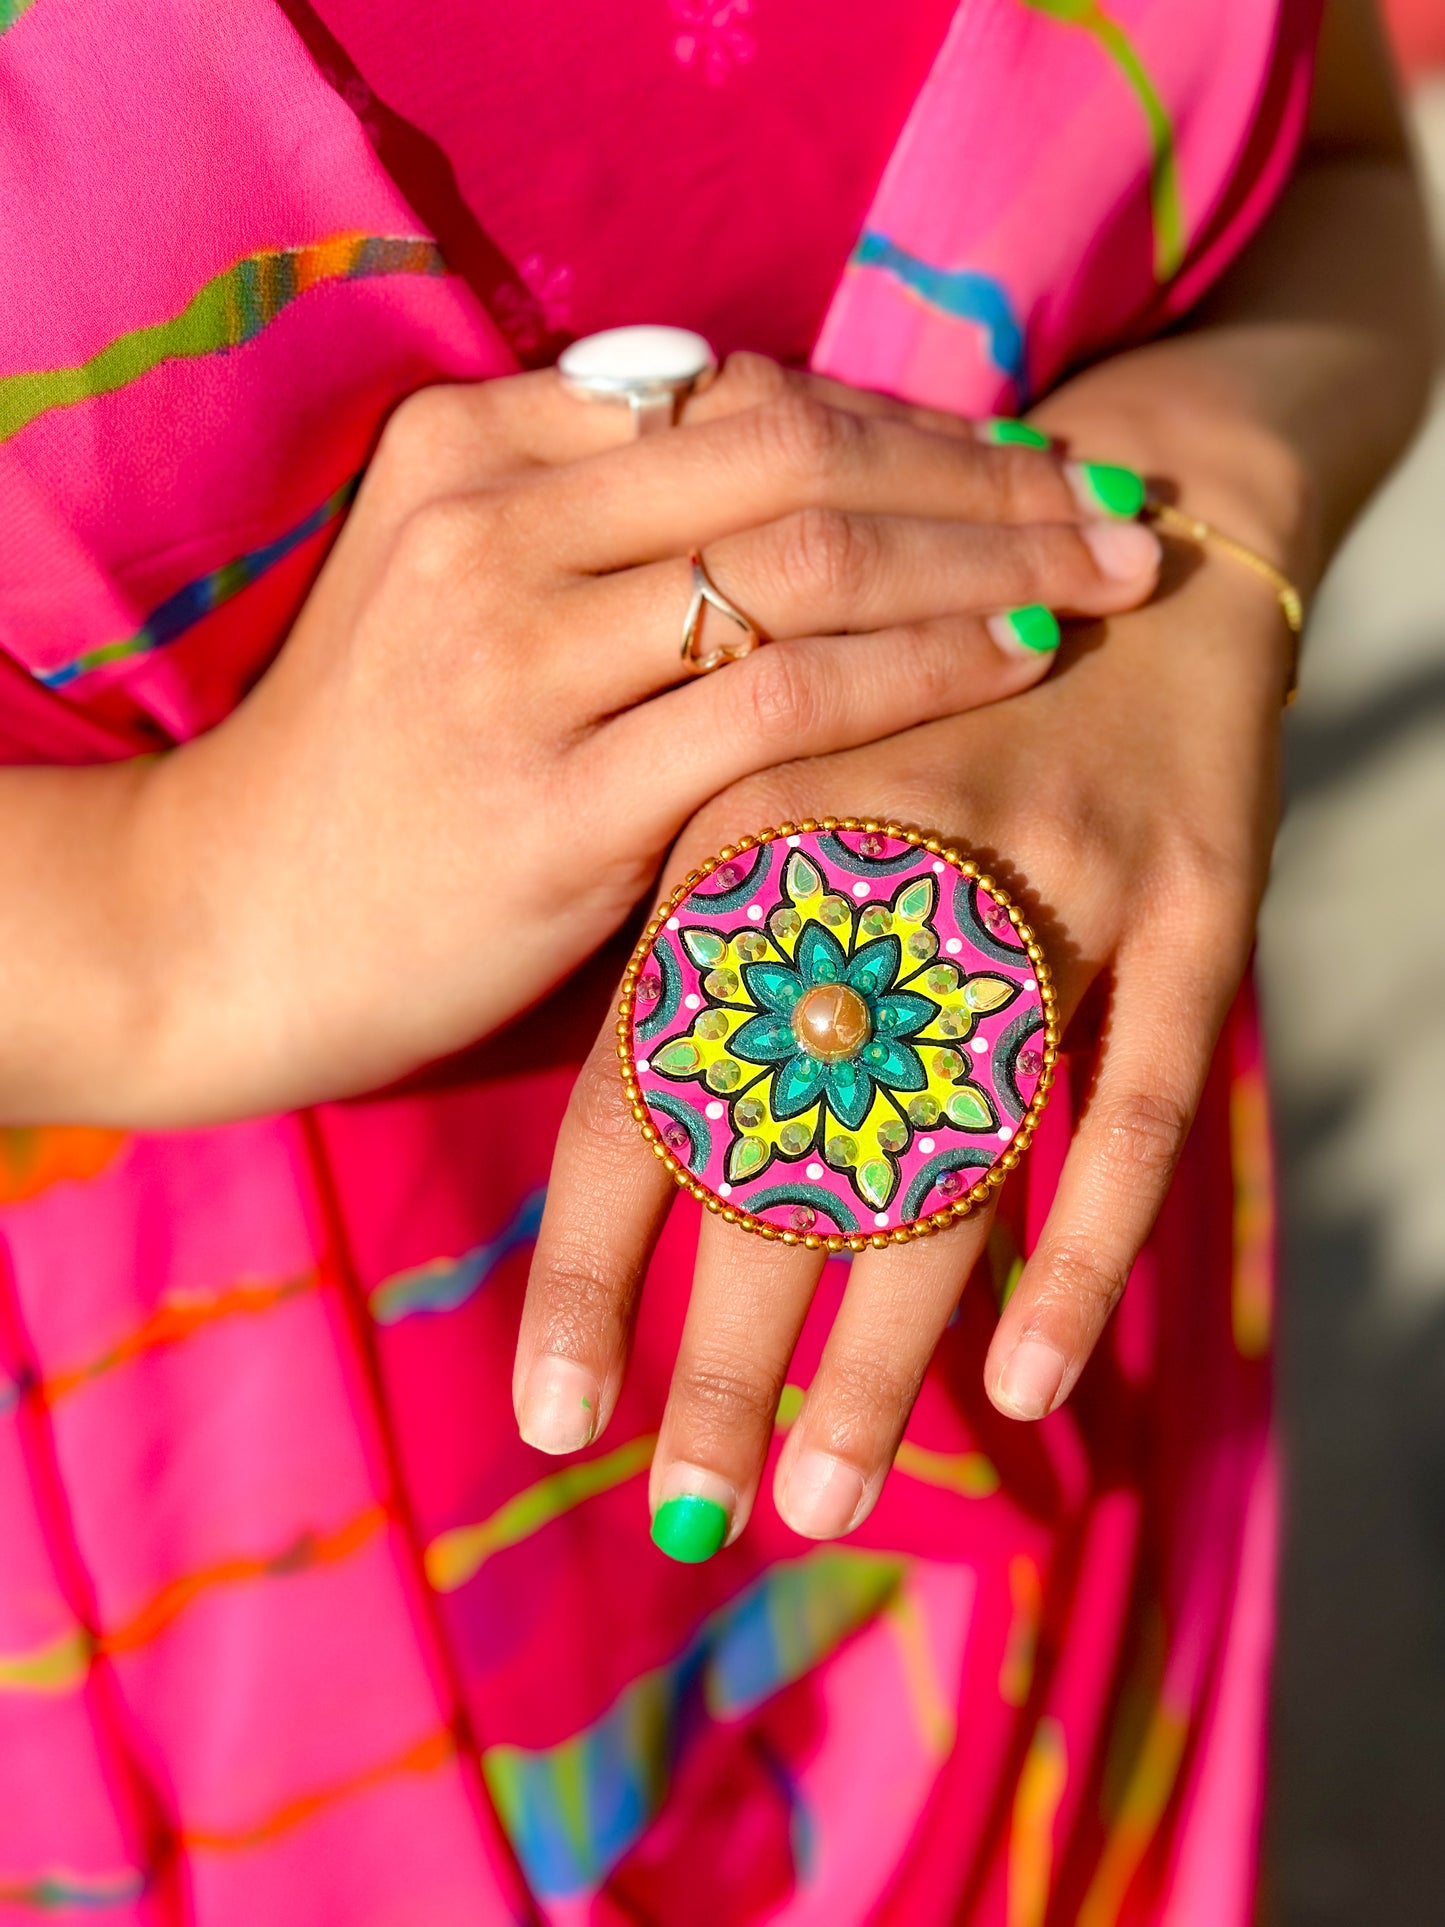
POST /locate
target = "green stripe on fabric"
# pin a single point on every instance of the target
(227, 312)
(1165, 199)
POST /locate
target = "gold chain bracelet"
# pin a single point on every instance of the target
(1173, 521)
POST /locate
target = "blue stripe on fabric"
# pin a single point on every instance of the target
(445, 1284)
(189, 605)
(964, 294)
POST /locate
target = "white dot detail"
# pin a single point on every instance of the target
(927, 1146)
(979, 1046)
(643, 1067)
(724, 1190)
(715, 1111)
(953, 946)
(880, 1218)
(815, 1171)
(1005, 1132)
(693, 1001)
(755, 913)
(939, 868)
(793, 842)
(672, 923)
(860, 888)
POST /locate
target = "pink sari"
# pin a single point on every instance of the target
(292, 1626)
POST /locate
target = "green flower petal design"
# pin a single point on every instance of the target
(915, 901)
(892, 1062)
(773, 986)
(763, 1040)
(705, 947)
(797, 1085)
(969, 1108)
(878, 1180)
(819, 956)
(850, 1091)
(874, 967)
(901, 1013)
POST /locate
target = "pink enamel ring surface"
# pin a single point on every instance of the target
(838, 1033)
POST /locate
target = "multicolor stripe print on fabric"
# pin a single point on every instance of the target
(292, 1624)
(180, 613)
(227, 312)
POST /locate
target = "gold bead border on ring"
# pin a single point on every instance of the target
(939, 1220)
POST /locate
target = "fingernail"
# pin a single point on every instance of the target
(820, 1495)
(1030, 1380)
(692, 1521)
(559, 1406)
(1124, 551)
(1101, 489)
(1004, 433)
(1034, 629)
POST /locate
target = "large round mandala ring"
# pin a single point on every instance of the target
(838, 1034)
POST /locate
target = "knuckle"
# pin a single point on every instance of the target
(779, 700)
(1140, 1135)
(829, 553)
(598, 1109)
(747, 380)
(866, 1396)
(1089, 1280)
(416, 420)
(581, 1298)
(803, 435)
(434, 541)
(717, 1395)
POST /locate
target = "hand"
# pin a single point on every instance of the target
(464, 768)
(1134, 796)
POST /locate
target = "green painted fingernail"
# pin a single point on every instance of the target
(1103, 489)
(690, 1528)
(1003, 433)
(1033, 627)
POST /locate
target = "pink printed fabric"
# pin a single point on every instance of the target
(291, 1623)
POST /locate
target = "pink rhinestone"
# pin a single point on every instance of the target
(1030, 1063)
(676, 1138)
(997, 919)
(727, 876)
(949, 1185)
(649, 989)
(872, 846)
(802, 1217)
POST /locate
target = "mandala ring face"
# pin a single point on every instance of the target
(838, 1034)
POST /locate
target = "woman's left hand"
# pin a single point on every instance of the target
(1134, 797)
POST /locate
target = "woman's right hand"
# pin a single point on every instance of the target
(465, 767)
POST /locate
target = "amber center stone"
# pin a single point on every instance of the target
(831, 1022)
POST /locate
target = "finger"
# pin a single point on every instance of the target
(749, 1300)
(534, 420)
(607, 1201)
(748, 380)
(800, 699)
(824, 572)
(1164, 1017)
(894, 1311)
(668, 494)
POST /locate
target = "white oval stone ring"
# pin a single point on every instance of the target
(651, 369)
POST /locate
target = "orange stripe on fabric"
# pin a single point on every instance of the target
(424, 1757)
(64, 1663)
(306, 1551)
(176, 1317)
